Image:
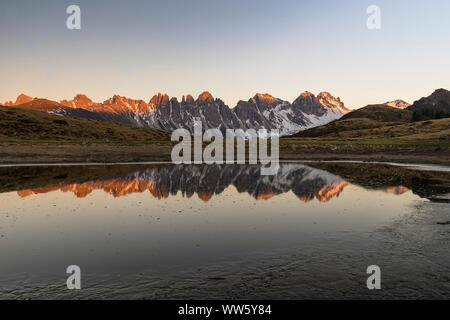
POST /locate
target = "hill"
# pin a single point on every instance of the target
(365, 129)
(435, 106)
(381, 122)
(354, 123)
(18, 124)
(380, 113)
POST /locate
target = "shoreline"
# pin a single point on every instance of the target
(41, 154)
(406, 165)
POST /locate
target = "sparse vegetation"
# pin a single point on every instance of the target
(380, 113)
(29, 136)
(378, 125)
(19, 125)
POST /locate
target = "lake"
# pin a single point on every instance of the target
(161, 231)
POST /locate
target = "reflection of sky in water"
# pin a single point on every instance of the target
(101, 231)
(115, 228)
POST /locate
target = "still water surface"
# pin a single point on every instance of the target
(209, 231)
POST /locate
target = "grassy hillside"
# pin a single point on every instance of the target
(354, 129)
(354, 123)
(433, 131)
(380, 113)
(380, 124)
(22, 125)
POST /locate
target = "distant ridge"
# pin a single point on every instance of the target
(435, 106)
(380, 113)
(21, 98)
(400, 104)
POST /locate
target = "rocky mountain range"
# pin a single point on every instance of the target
(21, 98)
(168, 114)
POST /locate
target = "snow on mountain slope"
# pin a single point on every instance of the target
(262, 111)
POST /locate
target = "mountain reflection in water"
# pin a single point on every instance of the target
(135, 234)
(305, 182)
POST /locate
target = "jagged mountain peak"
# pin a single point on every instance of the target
(190, 99)
(115, 99)
(120, 105)
(327, 100)
(321, 104)
(79, 101)
(323, 98)
(205, 97)
(264, 98)
(159, 99)
(305, 98)
(22, 98)
(307, 94)
(327, 95)
(81, 96)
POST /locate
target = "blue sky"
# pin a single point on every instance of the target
(233, 49)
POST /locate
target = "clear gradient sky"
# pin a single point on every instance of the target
(232, 48)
